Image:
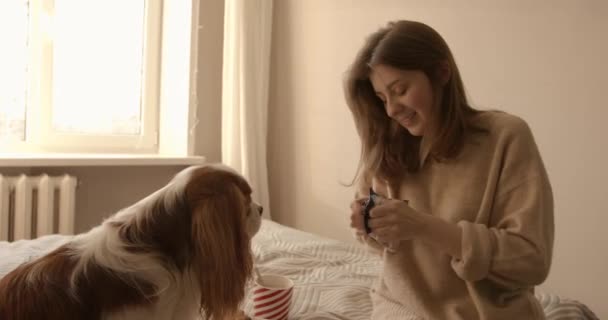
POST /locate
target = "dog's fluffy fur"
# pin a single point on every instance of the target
(182, 252)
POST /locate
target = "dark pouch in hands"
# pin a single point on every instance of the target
(368, 205)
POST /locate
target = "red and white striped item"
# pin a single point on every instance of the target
(272, 297)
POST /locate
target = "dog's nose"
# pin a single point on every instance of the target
(260, 209)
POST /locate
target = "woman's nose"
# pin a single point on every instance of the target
(392, 108)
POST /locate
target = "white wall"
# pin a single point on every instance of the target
(543, 60)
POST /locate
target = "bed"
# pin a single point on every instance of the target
(332, 278)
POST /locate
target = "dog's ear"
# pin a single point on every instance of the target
(222, 257)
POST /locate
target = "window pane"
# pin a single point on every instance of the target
(97, 66)
(13, 66)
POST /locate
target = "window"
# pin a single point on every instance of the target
(80, 75)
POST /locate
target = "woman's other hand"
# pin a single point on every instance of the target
(356, 215)
(394, 220)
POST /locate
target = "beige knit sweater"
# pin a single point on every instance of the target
(497, 191)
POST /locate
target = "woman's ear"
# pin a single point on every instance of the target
(444, 72)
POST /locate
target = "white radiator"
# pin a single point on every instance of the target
(33, 206)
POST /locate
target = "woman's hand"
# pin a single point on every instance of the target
(356, 216)
(394, 220)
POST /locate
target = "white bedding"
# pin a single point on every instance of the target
(332, 278)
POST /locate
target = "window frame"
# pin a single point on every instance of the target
(39, 136)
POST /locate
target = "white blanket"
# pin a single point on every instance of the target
(332, 278)
(12, 254)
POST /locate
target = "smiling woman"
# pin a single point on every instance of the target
(407, 96)
(475, 234)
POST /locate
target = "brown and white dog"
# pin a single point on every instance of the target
(181, 253)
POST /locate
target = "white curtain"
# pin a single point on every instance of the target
(247, 38)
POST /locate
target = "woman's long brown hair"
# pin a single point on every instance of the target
(388, 150)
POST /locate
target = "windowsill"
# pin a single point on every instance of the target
(73, 160)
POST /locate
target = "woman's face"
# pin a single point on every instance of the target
(407, 96)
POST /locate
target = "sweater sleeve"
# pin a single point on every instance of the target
(514, 249)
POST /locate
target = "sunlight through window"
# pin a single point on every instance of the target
(13, 77)
(83, 75)
(97, 66)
